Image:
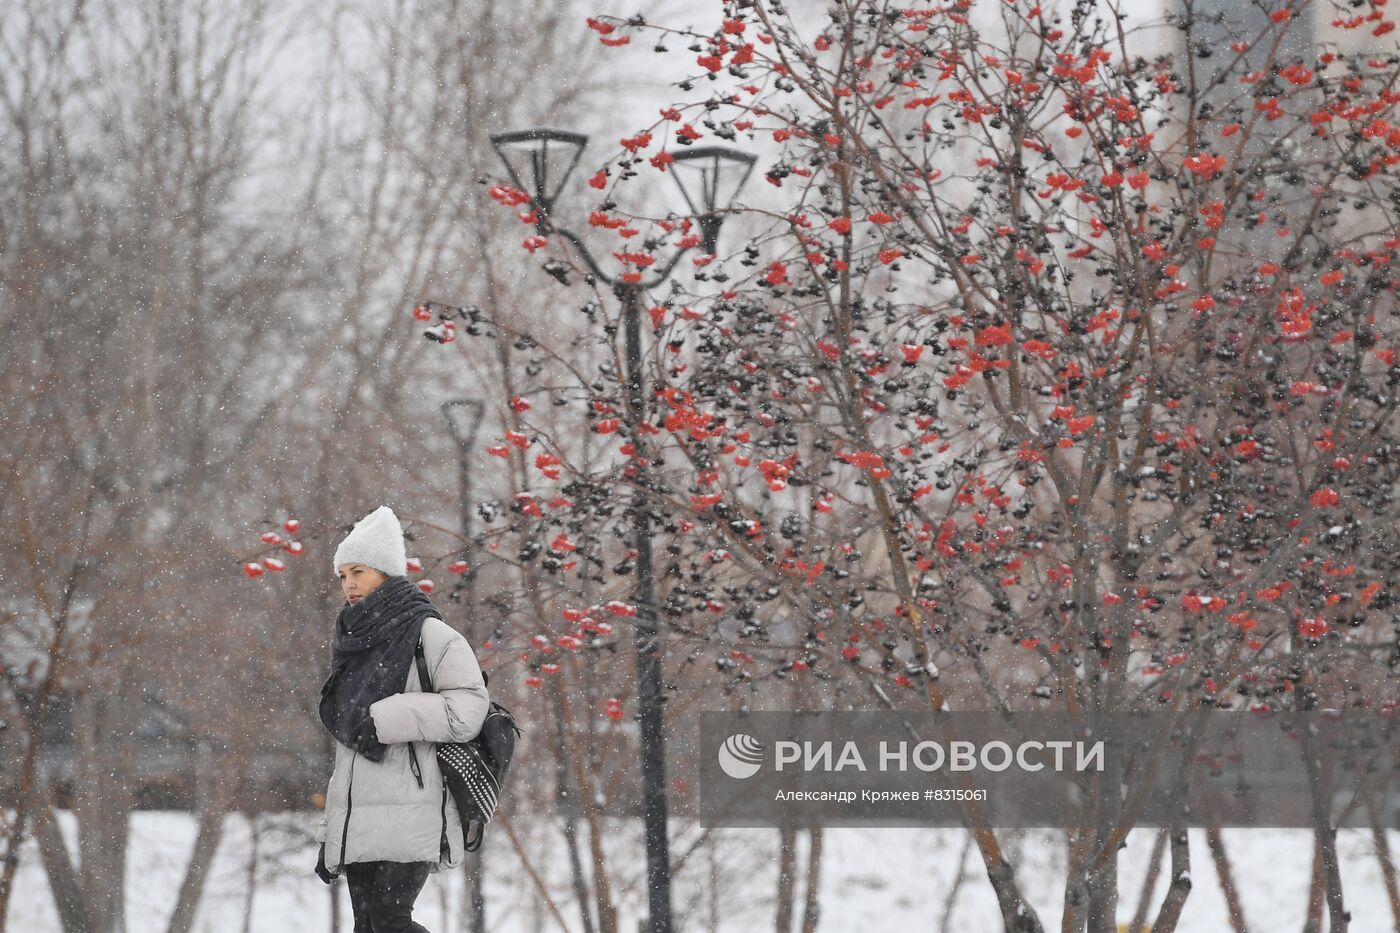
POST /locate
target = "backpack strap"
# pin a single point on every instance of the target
(424, 682)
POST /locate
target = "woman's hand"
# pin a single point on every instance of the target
(322, 871)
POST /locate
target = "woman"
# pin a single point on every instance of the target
(389, 819)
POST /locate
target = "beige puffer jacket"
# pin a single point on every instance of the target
(391, 810)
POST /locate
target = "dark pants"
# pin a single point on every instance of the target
(382, 895)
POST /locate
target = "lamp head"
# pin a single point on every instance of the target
(539, 161)
(463, 418)
(710, 178)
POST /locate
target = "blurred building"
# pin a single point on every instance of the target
(173, 766)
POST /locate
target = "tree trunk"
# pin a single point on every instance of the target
(1227, 879)
(1180, 886)
(206, 843)
(102, 803)
(1320, 790)
(602, 887)
(1015, 912)
(14, 829)
(252, 878)
(713, 900)
(1102, 887)
(1073, 913)
(102, 838)
(475, 885)
(1149, 884)
(787, 864)
(214, 804)
(543, 897)
(1378, 833)
(576, 872)
(1313, 923)
(568, 797)
(64, 883)
(811, 899)
(1337, 915)
(1101, 880)
(30, 795)
(950, 899)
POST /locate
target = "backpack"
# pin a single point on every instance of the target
(474, 771)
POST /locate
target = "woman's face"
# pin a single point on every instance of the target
(357, 581)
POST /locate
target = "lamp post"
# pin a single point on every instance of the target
(464, 418)
(539, 162)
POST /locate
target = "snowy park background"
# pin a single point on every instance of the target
(903, 879)
(262, 269)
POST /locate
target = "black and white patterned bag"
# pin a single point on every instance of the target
(474, 771)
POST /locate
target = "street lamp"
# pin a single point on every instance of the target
(546, 157)
(464, 416)
(709, 178)
(539, 162)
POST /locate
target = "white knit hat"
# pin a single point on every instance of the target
(375, 541)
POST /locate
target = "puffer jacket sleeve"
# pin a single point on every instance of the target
(454, 713)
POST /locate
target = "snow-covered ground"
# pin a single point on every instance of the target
(872, 880)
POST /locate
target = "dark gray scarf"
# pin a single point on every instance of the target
(371, 651)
